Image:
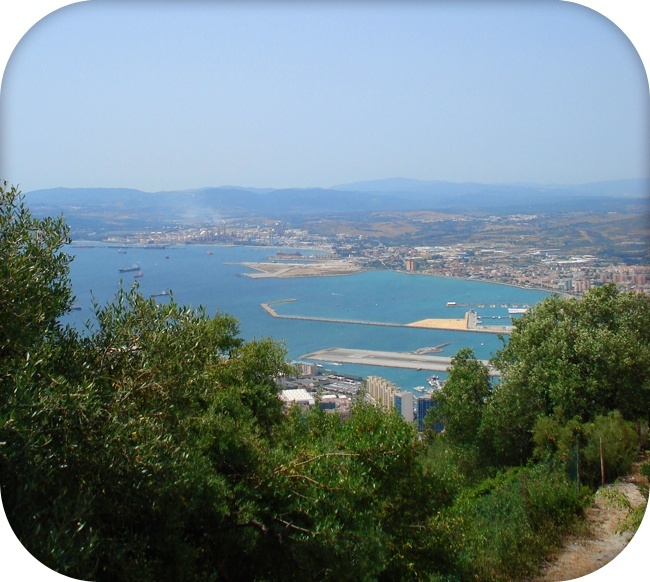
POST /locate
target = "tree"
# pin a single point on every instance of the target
(506, 426)
(463, 397)
(34, 286)
(153, 445)
(572, 358)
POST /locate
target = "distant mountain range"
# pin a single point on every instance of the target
(631, 187)
(124, 206)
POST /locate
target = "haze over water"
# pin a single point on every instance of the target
(215, 281)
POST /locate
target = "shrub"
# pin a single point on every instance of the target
(620, 445)
(504, 526)
(572, 442)
(644, 469)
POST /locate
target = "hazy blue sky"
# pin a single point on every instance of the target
(160, 96)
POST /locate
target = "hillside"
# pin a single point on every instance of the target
(605, 536)
(121, 204)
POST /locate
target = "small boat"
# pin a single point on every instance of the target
(137, 275)
(435, 383)
(163, 293)
(517, 310)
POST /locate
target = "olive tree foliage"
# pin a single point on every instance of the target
(34, 285)
(153, 445)
(573, 358)
(166, 454)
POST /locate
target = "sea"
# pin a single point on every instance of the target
(214, 277)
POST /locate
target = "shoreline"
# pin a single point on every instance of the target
(104, 244)
(562, 294)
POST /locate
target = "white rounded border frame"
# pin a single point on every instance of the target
(19, 16)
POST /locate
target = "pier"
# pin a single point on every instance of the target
(471, 322)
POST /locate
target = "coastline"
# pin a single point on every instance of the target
(562, 294)
(304, 272)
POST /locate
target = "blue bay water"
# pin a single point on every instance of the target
(212, 276)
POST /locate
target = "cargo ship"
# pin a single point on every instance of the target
(135, 267)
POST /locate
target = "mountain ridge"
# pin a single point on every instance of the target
(388, 195)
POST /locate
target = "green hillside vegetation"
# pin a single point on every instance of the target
(153, 446)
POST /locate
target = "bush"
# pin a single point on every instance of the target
(504, 526)
(452, 468)
(644, 469)
(573, 442)
(620, 446)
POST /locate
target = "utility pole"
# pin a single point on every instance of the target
(578, 464)
(602, 462)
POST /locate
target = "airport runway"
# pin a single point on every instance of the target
(385, 359)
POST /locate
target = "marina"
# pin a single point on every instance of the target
(511, 307)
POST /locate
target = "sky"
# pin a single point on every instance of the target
(176, 95)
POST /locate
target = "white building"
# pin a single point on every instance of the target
(404, 405)
(298, 396)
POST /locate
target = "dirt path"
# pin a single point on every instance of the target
(581, 556)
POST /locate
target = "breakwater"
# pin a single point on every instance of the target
(469, 323)
(273, 313)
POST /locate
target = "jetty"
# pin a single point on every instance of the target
(273, 313)
(471, 322)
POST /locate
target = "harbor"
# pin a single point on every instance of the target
(213, 281)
